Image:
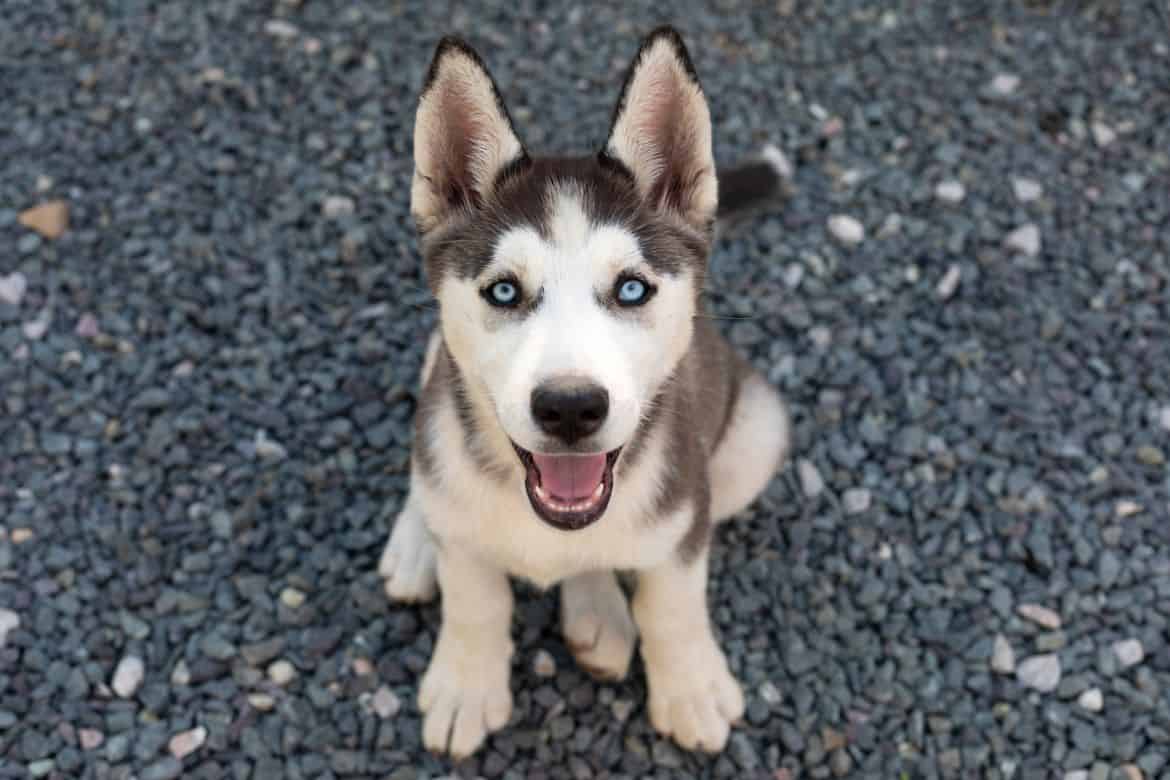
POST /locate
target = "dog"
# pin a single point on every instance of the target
(578, 416)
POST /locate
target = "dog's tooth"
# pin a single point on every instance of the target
(600, 489)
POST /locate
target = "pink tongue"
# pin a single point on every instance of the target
(570, 477)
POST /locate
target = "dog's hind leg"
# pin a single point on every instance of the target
(408, 562)
(753, 448)
(596, 622)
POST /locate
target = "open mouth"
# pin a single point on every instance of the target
(568, 491)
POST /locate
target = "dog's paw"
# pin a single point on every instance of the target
(464, 695)
(596, 622)
(408, 562)
(693, 697)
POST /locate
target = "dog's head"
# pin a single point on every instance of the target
(566, 287)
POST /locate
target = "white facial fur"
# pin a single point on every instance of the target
(571, 333)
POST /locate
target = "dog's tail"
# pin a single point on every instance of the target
(752, 187)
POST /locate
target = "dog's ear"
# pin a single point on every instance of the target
(661, 131)
(463, 136)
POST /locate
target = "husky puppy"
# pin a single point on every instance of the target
(578, 416)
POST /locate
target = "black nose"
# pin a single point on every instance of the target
(570, 412)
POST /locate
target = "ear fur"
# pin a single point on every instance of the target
(661, 131)
(463, 137)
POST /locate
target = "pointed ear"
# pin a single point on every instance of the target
(463, 136)
(661, 131)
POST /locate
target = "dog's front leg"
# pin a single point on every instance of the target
(693, 696)
(464, 693)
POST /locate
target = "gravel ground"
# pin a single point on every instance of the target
(206, 382)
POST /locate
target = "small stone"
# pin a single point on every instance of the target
(1151, 456)
(1041, 672)
(185, 743)
(362, 667)
(385, 703)
(21, 535)
(1132, 772)
(856, 500)
(621, 709)
(1127, 508)
(811, 482)
(41, 768)
(1077, 774)
(50, 219)
(951, 191)
(1092, 700)
(281, 672)
(949, 283)
(1024, 239)
(268, 449)
(1164, 418)
(90, 739)
(128, 676)
(293, 599)
(35, 330)
(543, 665)
(770, 693)
(9, 621)
(13, 287)
(1129, 652)
(1005, 84)
(1026, 190)
(87, 327)
(1003, 658)
(846, 229)
(779, 161)
(1042, 616)
(261, 702)
(1103, 134)
(279, 28)
(337, 206)
(168, 768)
(181, 675)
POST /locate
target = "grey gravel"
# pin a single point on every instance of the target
(207, 384)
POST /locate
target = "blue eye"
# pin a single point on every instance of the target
(503, 294)
(631, 292)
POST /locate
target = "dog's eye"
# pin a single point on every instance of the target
(503, 293)
(632, 291)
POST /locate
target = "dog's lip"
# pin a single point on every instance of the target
(566, 520)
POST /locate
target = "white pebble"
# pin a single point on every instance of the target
(1003, 658)
(1126, 508)
(279, 28)
(770, 693)
(261, 702)
(1026, 190)
(1041, 616)
(793, 275)
(1164, 418)
(1129, 652)
(386, 703)
(846, 229)
(13, 287)
(1092, 700)
(820, 336)
(811, 483)
(1024, 239)
(337, 206)
(1041, 672)
(35, 330)
(949, 283)
(181, 675)
(268, 449)
(281, 672)
(1103, 134)
(292, 598)
(778, 160)
(1077, 774)
(543, 665)
(1005, 83)
(856, 500)
(9, 621)
(185, 743)
(89, 739)
(951, 191)
(128, 676)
